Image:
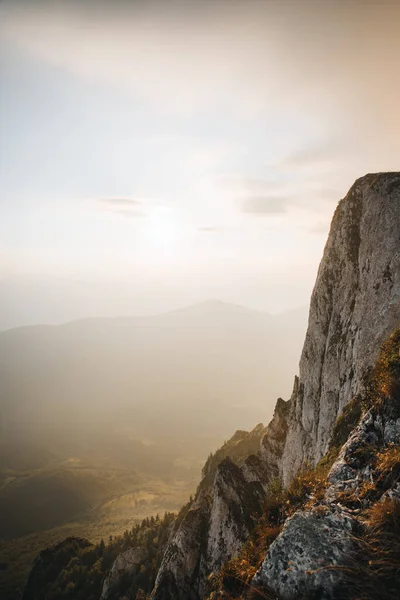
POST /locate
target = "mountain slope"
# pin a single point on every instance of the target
(217, 365)
(350, 316)
(315, 513)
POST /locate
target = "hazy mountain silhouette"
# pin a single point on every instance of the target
(117, 416)
(210, 368)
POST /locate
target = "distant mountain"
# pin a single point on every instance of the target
(136, 402)
(203, 370)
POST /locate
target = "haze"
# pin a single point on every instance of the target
(168, 174)
(157, 154)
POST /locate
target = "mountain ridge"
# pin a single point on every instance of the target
(191, 310)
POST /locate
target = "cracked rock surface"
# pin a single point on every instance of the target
(299, 563)
(355, 305)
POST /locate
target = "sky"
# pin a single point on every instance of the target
(157, 154)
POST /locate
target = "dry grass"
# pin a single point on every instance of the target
(374, 574)
(388, 466)
(234, 578)
(384, 518)
(385, 474)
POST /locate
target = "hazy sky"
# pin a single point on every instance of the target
(154, 154)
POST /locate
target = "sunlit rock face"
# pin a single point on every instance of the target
(354, 307)
(235, 503)
(214, 529)
(180, 572)
(273, 442)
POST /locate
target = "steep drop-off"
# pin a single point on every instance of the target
(354, 307)
(314, 513)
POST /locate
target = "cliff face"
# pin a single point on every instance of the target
(334, 547)
(354, 307)
(215, 527)
(124, 564)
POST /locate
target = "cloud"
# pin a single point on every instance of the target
(265, 205)
(125, 207)
(329, 152)
(284, 192)
(210, 229)
(202, 53)
(257, 195)
(129, 214)
(215, 229)
(121, 202)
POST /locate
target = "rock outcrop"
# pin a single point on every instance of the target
(273, 442)
(124, 564)
(320, 552)
(238, 448)
(317, 549)
(213, 530)
(354, 306)
(301, 563)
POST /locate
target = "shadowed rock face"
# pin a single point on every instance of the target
(355, 305)
(125, 563)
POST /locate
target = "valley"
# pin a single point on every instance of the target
(108, 421)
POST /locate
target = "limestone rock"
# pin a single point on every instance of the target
(179, 573)
(305, 560)
(255, 469)
(377, 430)
(238, 448)
(212, 532)
(235, 504)
(124, 563)
(354, 306)
(273, 442)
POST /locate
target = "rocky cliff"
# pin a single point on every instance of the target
(355, 305)
(343, 542)
(228, 502)
(309, 507)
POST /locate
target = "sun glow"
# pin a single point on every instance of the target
(162, 229)
(161, 235)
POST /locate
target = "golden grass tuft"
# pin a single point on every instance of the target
(388, 465)
(375, 572)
